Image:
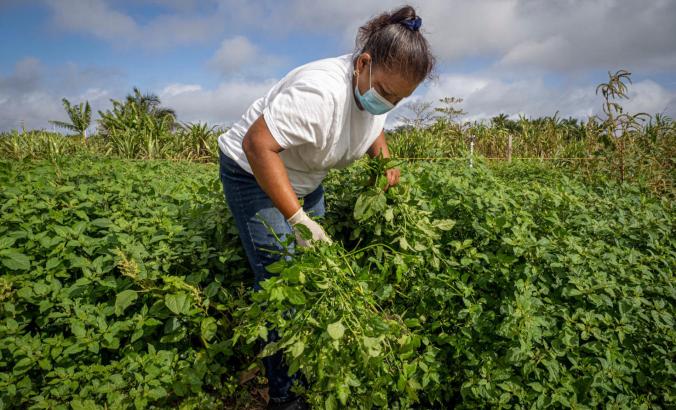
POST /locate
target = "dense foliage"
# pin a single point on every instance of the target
(114, 284)
(123, 283)
(474, 290)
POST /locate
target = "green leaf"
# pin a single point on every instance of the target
(101, 222)
(343, 393)
(444, 224)
(22, 365)
(175, 336)
(179, 303)
(6, 242)
(62, 231)
(78, 329)
(381, 182)
(157, 393)
(52, 263)
(295, 296)
(297, 348)
(336, 330)
(262, 332)
(330, 402)
(209, 328)
(138, 333)
(123, 300)
(276, 267)
(15, 260)
(360, 207)
(293, 367)
(372, 344)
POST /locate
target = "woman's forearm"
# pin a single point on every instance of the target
(262, 152)
(378, 146)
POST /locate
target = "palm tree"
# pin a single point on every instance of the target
(136, 112)
(80, 118)
(150, 103)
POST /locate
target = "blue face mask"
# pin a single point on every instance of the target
(373, 102)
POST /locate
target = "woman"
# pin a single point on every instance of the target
(322, 115)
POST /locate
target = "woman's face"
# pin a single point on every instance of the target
(391, 85)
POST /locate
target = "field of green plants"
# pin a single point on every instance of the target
(546, 281)
(123, 285)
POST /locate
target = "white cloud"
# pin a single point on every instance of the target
(94, 94)
(550, 35)
(30, 110)
(97, 18)
(532, 52)
(26, 76)
(31, 95)
(557, 35)
(223, 105)
(650, 97)
(485, 96)
(173, 90)
(238, 55)
(22, 102)
(180, 5)
(233, 54)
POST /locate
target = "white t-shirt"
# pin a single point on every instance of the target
(312, 114)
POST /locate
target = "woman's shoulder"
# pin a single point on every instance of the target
(329, 75)
(338, 67)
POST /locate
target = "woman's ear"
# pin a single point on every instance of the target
(363, 61)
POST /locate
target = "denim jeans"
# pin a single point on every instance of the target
(250, 206)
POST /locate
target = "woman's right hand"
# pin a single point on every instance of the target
(301, 218)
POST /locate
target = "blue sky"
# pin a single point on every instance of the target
(210, 59)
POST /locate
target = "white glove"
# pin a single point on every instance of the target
(301, 218)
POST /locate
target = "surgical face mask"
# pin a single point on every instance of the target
(373, 102)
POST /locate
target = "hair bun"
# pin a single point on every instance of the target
(412, 23)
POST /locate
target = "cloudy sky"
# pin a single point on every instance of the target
(209, 59)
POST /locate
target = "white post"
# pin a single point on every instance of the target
(471, 151)
(509, 148)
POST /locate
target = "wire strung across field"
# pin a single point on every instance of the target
(499, 158)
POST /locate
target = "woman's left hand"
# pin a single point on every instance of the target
(392, 175)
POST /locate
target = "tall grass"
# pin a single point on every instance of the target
(629, 147)
(194, 142)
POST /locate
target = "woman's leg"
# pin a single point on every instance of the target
(254, 212)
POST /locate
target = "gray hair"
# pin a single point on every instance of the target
(395, 46)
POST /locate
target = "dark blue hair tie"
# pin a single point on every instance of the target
(413, 23)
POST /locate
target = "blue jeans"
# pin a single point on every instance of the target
(250, 206)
